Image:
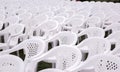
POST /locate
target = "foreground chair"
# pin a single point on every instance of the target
(11, 63)
(31, 48)
(94, 46)
(101, 63)
(64, 56)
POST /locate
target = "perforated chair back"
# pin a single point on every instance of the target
(101, 63)
(31, 47)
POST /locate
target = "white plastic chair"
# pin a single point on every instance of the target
(25, 17)
(102, 17)
(114, 37)
(100, 14)
(93, 32)
(93, 21)
(10, 63)
(75, 21)
(112, 19)
(59, 19)
(31, 47)
(60, 11)
(116, 50)
(51, 70)
(94, 46)
(90, 32)
(101, 63)
(74, 24)
(65, 56)
(70, 12)
(45, 30)
(82, 17)
(85, 13)
(33, 22)
(114, 27)
(62, 38)
(49, 13)
(12, 39)
(66, 15)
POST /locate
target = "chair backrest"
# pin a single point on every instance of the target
(114, 37)
(70, 12)
(78, 16)
(14, 30)
(11, 20)
(51, 70)
(67, 38)
(45, 29)
(10, 63)
(31, 47)
(62, 38)
(90, 32)
(101, 63)
(93, 21)
(73, 23)
(95, 45)
(65, 55)
(64, 14)
(59, 19)
(113, 19)
(49, 25)
(114, 27)
(93, 32)
(100, 14)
